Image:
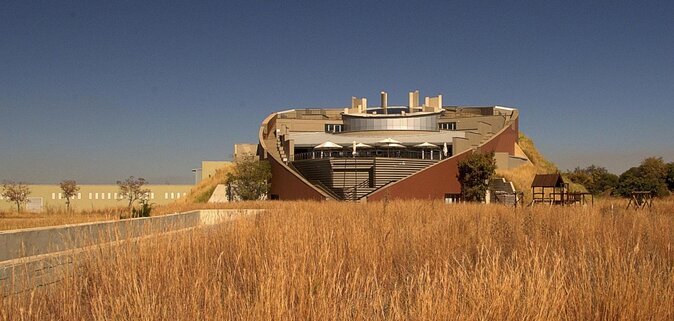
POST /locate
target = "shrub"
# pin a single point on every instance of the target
(474, 174)
(250, 179)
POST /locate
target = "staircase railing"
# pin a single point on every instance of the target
(326, 189)
(351, 193)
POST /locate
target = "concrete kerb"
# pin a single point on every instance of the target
(34, 265)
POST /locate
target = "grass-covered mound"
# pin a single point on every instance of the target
(522, 176)
(201, 192)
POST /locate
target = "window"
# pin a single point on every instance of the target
(96, 195)
(165, 195)
(447, 126)
(151, 195)
(79, 196)
(452, 198)
(89, 195)
(333, 128)
(53, 196)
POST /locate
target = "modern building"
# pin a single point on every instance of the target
(374, 153)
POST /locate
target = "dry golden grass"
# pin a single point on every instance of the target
(416, 260)
(14, 220)
(202, 191)
(523, 176)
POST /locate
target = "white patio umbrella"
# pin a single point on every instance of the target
(394, 145)
(444, 149)
(426, 145)
(328, 145)
(388, 141)
(356, 146)
(361, 145)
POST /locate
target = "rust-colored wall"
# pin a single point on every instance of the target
(288, 186)
(430, 183)
(504, 141)
(440, 179)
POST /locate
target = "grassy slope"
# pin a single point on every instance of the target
(523, 176)
(202, 191)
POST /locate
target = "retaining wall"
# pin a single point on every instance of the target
(36, 257)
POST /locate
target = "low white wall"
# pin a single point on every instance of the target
(16, 244)
(39, 256)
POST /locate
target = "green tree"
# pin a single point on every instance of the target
(651, 175)
(132, 190)
(581, 176)
(70, 189)
(474, 174)
(670, 176)
(250, 179)
(604, 182)
(596, 179)
(16, 193)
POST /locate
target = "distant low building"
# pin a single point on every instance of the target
(94, 197)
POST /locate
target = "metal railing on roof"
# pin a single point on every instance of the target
(388, 153)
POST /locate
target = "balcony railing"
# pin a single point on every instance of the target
(389, 153)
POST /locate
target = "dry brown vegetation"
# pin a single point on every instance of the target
(415, 260)
(201, 192)
(13, 220)
(523, 175)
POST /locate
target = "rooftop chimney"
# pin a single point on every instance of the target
(413, 98)
(358, 105)
(384, 102)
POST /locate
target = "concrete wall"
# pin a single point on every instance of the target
(40, 256)
(36, 241)
(97, 196)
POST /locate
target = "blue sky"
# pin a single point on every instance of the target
(100, 91)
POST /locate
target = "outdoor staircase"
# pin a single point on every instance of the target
(502, 192)
(279, 147)
(354, 178)
(395, 169)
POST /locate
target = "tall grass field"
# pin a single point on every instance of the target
(413, 260)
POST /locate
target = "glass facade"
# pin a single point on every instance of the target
(421, 122)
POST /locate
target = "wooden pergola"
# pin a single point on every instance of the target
(548, 189)
(551, 189)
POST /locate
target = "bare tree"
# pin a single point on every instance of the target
(15, 193)
(132, 189)
(70, 189)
